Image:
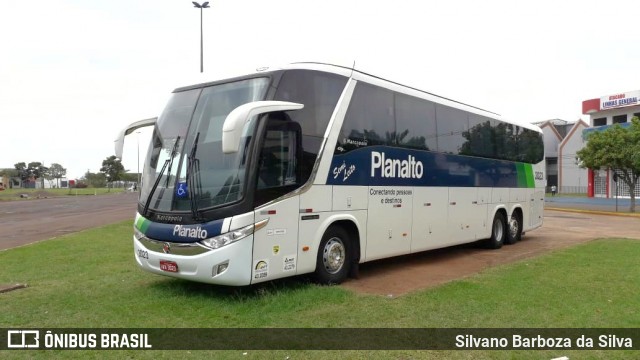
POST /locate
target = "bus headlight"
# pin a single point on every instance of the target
(225, 239)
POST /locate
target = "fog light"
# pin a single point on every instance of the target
(220, 268)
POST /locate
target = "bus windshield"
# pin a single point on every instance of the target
(190, 126)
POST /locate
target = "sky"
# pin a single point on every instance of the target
(74, 73)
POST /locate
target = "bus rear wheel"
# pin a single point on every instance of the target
(498, 231)
(332, 263)
(514, 232)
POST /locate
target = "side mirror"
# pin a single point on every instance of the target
(119, 142)
(235, 121)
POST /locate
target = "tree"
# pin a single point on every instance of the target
(98, 180)
(56, 171)
(10, 173)
(21, 169)
(37, 171)
(112, 168)
(130, 177)
(34, 170)
(615, 148)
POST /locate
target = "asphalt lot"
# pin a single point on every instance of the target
(28, 221)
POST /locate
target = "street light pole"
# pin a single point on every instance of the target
(204, 5)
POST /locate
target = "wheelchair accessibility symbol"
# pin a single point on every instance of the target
(182, 191)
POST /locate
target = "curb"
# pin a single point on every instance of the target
(595, 212)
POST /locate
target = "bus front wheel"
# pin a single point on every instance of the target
(332, 265)
(498, 231)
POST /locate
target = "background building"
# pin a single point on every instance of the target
(603, 113)
(562, 139)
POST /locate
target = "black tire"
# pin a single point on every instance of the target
(498, 231)
(514, 229)
(334, 254)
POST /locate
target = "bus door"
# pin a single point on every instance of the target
(275, 246)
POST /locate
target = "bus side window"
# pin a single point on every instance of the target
(280, 158)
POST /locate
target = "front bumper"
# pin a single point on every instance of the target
(196, 263)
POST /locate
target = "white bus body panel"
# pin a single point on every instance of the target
(536, 210)
(389, 225)
(430, 216)
(318, 198)
(463, 215)
(275, 246)
(347, 198)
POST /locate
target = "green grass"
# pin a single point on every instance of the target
(90, 279)
(14, 194)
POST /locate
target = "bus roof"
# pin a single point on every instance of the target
(372, 79)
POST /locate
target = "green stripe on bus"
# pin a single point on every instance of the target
(522, 176)
(525, 175)
(142, 224)
(529, 171)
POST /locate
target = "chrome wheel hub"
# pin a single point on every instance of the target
(333, 255)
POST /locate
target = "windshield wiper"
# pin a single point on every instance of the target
(194, 183)
(168, 163)
(173, 154)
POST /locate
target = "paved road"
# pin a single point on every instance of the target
(28, 221)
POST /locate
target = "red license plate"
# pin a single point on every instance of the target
(169, 266)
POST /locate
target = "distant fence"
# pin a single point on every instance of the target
(573, 190)
(120, 184)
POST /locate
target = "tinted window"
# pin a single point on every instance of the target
(278, 165)
(480, 138)
(279, 162)
(377, 116)
(599, 121)
(620, 119)
(530, 146)
(415, 123)
(319, 92)
(369, 120)
(452, 123)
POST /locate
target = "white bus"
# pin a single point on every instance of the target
(315, 168)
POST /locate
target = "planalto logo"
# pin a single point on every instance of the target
(196, 232)
(395, 168)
